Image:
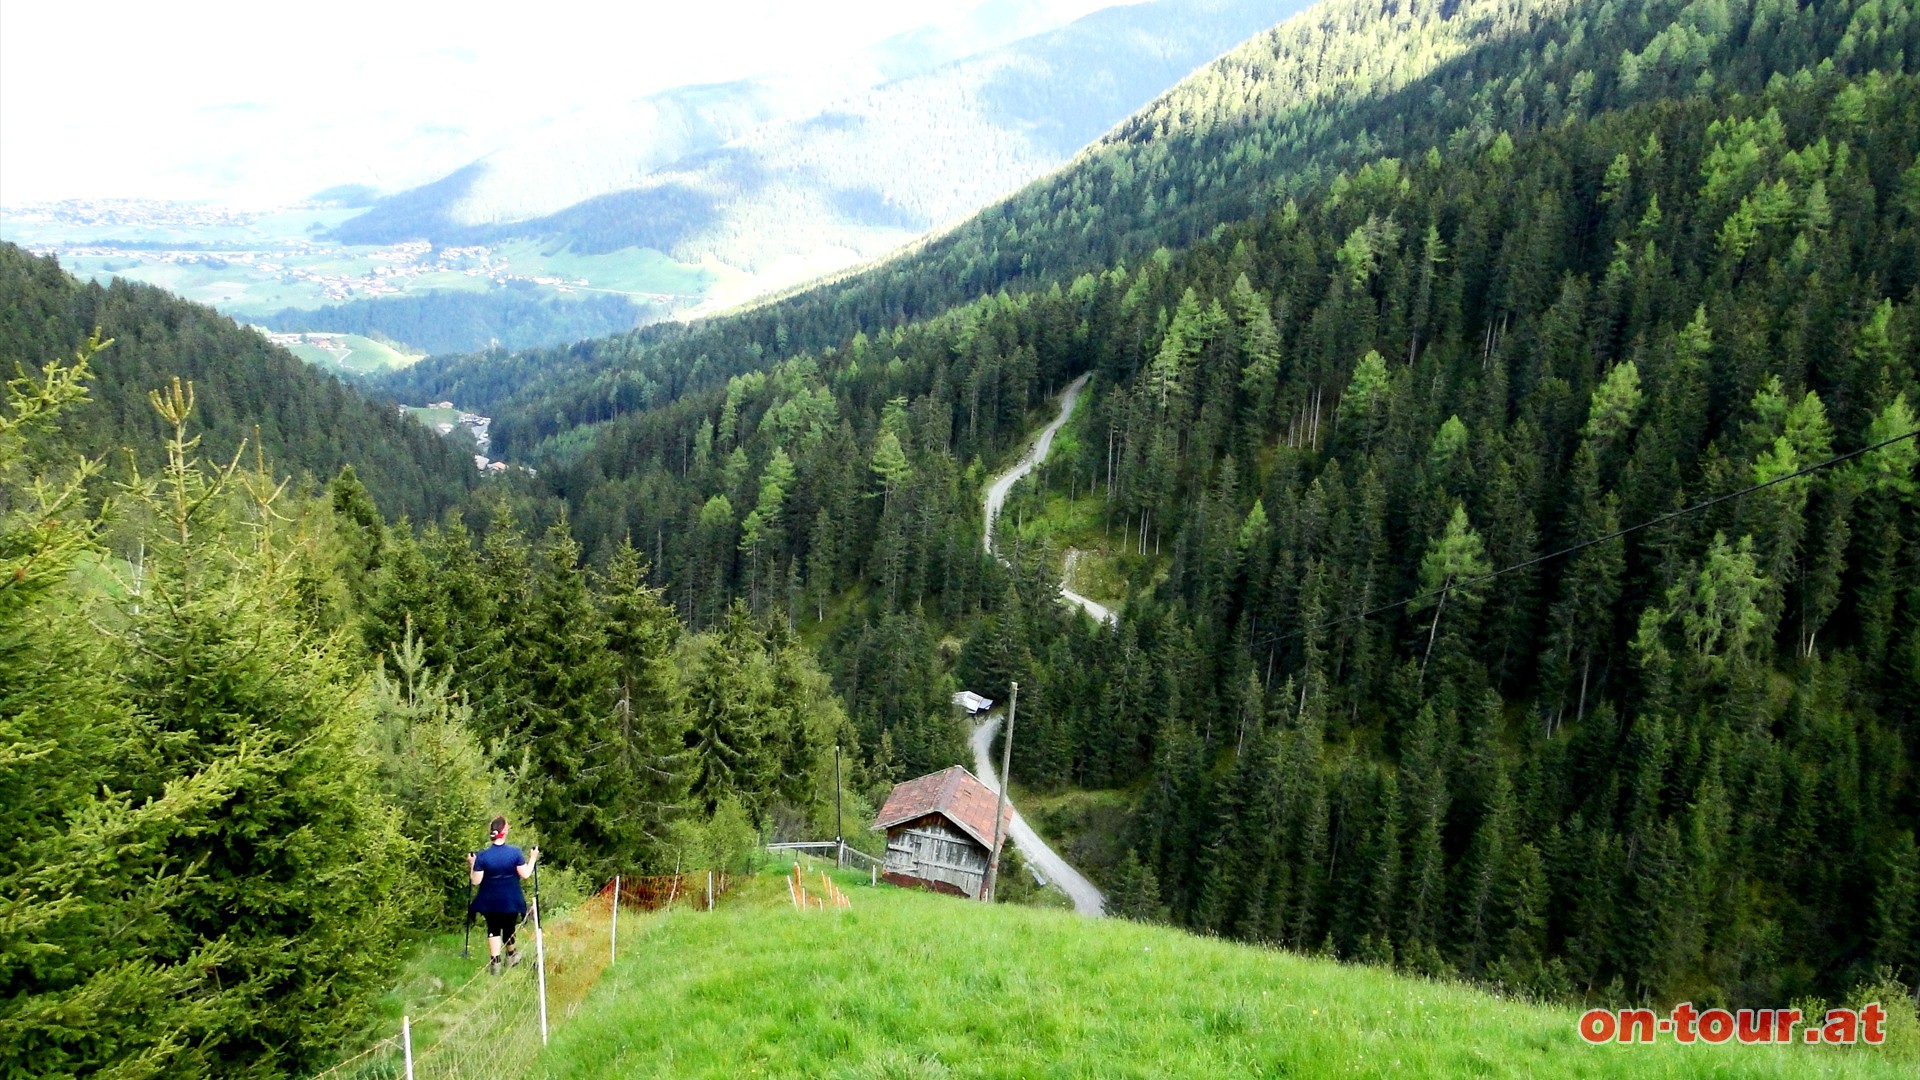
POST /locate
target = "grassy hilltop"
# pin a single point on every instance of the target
(914, 985)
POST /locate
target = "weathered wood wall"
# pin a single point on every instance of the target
(932, 850)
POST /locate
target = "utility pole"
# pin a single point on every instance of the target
(839, 828)
(1000, 806)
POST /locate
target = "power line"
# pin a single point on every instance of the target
(1614, 535)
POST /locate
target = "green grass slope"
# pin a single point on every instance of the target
(356, 355)
(915, 985)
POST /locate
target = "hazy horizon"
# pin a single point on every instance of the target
(215, 104)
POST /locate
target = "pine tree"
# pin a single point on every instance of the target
(362, 529)
(1457, 556)
(264, 721)
(729, 692)
(1895, 930)
(564, 742)
(99, 982)
(649, 710)
(1136, 892)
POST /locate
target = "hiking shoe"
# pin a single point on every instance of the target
(513, 958)
(493, 966)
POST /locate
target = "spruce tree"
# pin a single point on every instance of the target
(729, 692)
(649, 710)
(565, 739)
(290, 867)
(99, 982)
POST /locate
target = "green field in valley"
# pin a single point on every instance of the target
(629, 270)
(354, 355)
(911, 984)
(432, 417)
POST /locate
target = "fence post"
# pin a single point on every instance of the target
(709, 890)
(540, 955)
(613, 945)
(406, 1042)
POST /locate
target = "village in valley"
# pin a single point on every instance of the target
(279, 246)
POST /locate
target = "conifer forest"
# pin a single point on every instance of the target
(1498, 449)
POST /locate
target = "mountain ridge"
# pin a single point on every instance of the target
(778, 194)
(248, 390)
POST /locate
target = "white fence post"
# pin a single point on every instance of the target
(613, 945)
(540, 956)
(709, 890)
(406, 1042)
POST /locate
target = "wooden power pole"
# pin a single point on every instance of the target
(1000, 807)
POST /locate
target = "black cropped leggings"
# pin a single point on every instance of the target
(500, 924)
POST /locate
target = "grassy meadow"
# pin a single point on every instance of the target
(433, 417)
(361, 355)
(916, 985)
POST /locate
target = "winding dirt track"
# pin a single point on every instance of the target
(1086, 899)
(1036, 453)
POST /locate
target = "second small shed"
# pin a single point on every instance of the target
(940, 832)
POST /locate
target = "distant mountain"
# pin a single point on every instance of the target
(778, 180)
(615, 146)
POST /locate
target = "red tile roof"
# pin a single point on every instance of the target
(955, 794)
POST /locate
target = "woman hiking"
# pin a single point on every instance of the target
(498, 872)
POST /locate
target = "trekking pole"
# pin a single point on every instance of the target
(466, 945)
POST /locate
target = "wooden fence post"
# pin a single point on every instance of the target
(613, 945)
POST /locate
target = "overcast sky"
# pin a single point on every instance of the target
(260, 103)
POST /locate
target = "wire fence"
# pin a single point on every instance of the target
(491, 1025)
(844, 855)
(697, 891)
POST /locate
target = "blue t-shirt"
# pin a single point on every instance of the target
(500, 887)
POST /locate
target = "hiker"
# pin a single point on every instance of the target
(498, 872)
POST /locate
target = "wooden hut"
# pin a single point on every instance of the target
(940, 832)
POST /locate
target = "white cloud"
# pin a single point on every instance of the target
(251, 102)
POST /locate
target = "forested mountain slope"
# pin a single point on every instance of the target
(1339, 85)
(1677, 763)
(308, 422)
